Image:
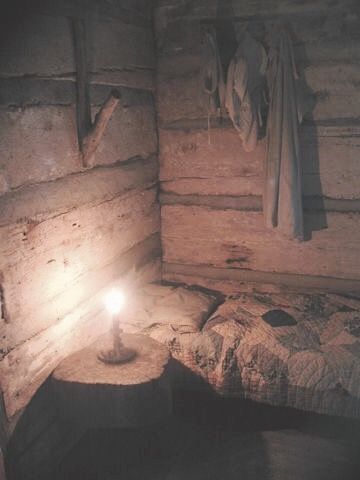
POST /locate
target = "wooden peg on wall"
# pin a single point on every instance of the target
(89, 134)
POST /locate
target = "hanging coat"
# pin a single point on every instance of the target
(244, 90)
(282, 201)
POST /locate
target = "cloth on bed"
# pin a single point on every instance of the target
(293, 350)
(181, 309)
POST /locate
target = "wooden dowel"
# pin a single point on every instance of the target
(83, 109)
(91, 141)
(89, 135)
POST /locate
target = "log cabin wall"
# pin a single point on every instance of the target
(212, 225)
(67, 232)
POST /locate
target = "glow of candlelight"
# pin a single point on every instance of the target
(114, 301)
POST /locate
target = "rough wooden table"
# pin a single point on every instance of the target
(133, 394)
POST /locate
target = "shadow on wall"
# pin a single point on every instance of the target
(313, 196)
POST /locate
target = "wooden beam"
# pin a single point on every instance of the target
(89, 135)
(83, 108)
(199, 274)
(228, 238)
(92, 139)
(254, 203)
(91, 187)
(218, 202)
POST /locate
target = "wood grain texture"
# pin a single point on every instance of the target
(204, 9)
(190, 165)
(132, 394)
(115, 44)
(26, 367)
(93, 136)
(66, 259)
(334, 88)
(136, 78)
(132, 12)
(83, 105)
(254, 203)
(47, 199)
(234, 239)
(32, 152)
(41, 90)
(66, 235)
(232, 281)
(122, 46)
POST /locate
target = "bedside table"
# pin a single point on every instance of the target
(132, 394)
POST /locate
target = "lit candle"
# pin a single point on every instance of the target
(114, 302)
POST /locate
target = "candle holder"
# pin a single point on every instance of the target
(119, 353)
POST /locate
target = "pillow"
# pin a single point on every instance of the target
(184, 309)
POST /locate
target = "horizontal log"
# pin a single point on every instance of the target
(95, 186)
(66, 259)
(26, 367)
(135, 78)
(131, 132)
(336, 90)
(31, 150)
(254, 9)
(216, 186)
(254, 203)
(133, 12)
(310, 48)
(316, 38)
(181, 98)
(334, 86)
(175, 273)
(118, 45)
(191, 165)
(231, 281)
(230, 238)
(40, 35)
(205, 154)
(31, 91)
(218, 202)
(115, 45)
(274, 7)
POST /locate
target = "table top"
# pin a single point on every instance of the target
(84, 366)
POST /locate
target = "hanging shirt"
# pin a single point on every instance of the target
(244, 90)
(282, 200)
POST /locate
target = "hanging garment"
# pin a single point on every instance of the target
(244, 90)
(282, 201)
(213, 76)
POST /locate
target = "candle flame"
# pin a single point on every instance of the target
(114, 301)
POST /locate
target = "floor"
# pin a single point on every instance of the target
(211, 438)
